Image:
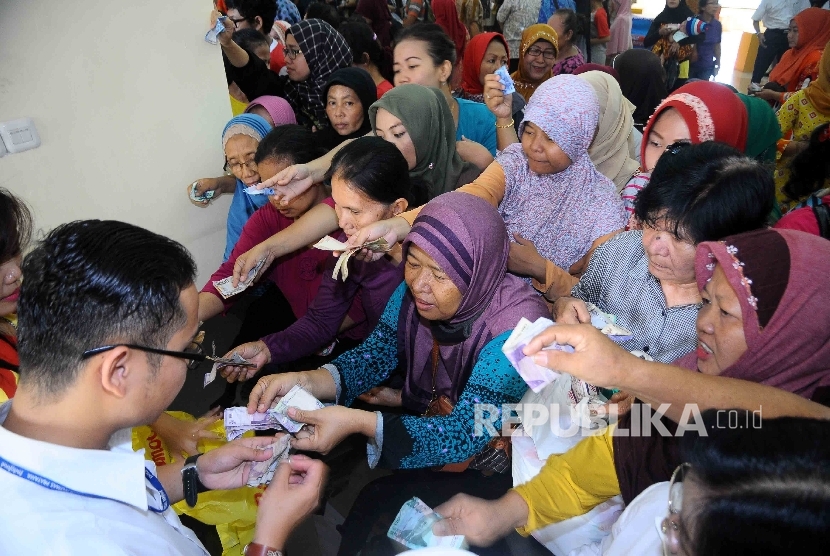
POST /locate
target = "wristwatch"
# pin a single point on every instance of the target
(191, 485)
(256, 549)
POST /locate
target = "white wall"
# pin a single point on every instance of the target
(129, 102)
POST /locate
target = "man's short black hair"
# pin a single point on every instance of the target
(91, 283)
(706, 192)
(249, 39)
(250, 9)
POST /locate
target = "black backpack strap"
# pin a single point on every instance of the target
(822, 213)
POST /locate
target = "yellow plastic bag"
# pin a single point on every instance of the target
(233, 512)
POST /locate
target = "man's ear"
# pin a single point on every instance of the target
(116, 370)
(259, 27)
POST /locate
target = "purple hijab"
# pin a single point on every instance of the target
(562, 213)
(467, 239)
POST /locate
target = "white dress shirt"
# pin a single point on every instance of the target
(109, 512)
(776, 14)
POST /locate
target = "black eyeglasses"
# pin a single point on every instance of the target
(193, 354)
(236, 22)
(677, 146)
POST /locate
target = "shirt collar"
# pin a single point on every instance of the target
(116, 473)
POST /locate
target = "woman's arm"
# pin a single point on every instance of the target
(319, 221)
(418, 442)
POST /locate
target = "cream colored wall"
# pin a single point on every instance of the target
(129, 102)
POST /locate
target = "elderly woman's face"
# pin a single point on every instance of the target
(668, 128)
(239, 152)
(391, 128)
(720, 326)
(344, 109)
(436, 297)
(539, 60)
(544, 156)
(669, 257)
(9, 285)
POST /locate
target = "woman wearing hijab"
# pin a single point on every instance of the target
(808, 34)
(485, 53)
(763, 130)
(377, 15)
(313, 51)
(759, 326)
(697, 112)
(537, 54)
(803, 112)
(444, 326)
(556, 205)
(614, 147)
(642, 81)
(418, 121)
(674, 55)
(446, 15)
(349, 94)
(275, 110)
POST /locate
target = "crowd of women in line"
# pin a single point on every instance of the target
(588, 185)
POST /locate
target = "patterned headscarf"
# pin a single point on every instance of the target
(246, 124)
(466, 238)
(325, 50)
(711, 110)
(562, 213)
(287, 11)
(780, 279)
(530, 36)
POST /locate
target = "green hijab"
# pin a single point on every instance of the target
(763, 130)
(428, 120)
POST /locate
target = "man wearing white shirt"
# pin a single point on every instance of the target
(108, 314)
(776, 16)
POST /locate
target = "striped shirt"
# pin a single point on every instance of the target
(618, 282)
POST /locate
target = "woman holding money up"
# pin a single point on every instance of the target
(445, 327)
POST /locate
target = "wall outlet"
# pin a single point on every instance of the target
(19, 135)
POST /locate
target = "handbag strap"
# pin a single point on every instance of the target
(435, 354)
(822, 213)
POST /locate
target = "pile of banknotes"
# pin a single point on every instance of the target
(536, 376)
(413, 528)
(225, 285)
(238, 420)
(328, 243)
(263, 471)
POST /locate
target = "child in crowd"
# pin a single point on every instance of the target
(600, 32)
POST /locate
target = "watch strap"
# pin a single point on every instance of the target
(256, 549)
(191, 485)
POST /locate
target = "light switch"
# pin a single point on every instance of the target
(19, 135)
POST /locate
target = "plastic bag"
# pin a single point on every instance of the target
(233, 512)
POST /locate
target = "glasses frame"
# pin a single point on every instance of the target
(194, 359)
(541, 53)
(236, 22)
(250, 165)
(292, 53)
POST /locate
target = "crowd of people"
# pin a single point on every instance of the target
(611, 179)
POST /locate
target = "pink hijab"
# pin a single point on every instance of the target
(780, 277)
(277, 107)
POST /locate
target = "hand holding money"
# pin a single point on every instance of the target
(245, 361)
(413, 528)
(536, 376)
(238, 421)
(393, 230)
(262, 472)
(329, 426)
(328, 243)
(228, 466)
(481, 522)
(249, 260)
(226, 288)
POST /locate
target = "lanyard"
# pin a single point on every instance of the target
(8, 466)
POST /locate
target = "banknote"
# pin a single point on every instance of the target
(413, 528)
(204, 197)
(297, 397)
(263, 471)
(225, 285)
(212, 36)
(536, 376)
(607, 324)
(238, 421)
(506, 80)
(252, 190)
(235, 360)
(328, 243)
